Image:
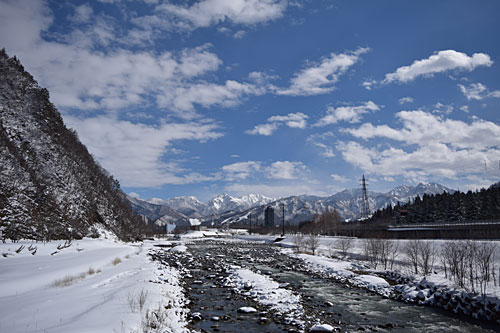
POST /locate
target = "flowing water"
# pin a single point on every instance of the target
(347, 309)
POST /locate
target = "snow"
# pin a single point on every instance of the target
(247, 309)
(179, 248)
(322, 328)
(71, 290)
(265, 291)
(194, 222)
(371, 280)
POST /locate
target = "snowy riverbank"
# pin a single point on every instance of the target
(91, 285)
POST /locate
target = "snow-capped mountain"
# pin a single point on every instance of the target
(184, 210)
(224, 208)
(347, 202)
(188, 205)
(192, 207)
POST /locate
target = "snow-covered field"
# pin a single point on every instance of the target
(104, 285)
(93, 285)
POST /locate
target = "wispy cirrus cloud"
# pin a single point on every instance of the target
(320, 77)
(293, 120)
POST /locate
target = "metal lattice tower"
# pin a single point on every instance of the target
(365, 207)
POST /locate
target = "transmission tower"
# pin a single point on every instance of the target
(365, 207)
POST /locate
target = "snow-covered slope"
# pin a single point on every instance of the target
(50, 186)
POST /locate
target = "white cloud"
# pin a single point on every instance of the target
(407, 99)
(442, 108)
(264, 129)
(239, 34)
(206, 13)
(319, 78)
(478, 91)
(132, 152)
(285, 170)
(240, 170)
(465, 108)
(134, 195)
(421, 128)
(293, 120)
(80, 77)
(255, 169)
(82, 13)
(351, 114)
(439, 62)
(323, 141)
(433, 145)
(339, 178)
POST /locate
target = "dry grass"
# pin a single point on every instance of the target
(116, 261)
(66, 281)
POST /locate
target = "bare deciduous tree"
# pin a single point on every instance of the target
(299, 242)
(411, 250)
(312, 243)
(344, 244)
(426, 257)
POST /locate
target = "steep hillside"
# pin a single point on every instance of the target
(157, 213)
(51, 187)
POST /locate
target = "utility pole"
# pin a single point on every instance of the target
(365, 207)
(250, 223)
(283, 219)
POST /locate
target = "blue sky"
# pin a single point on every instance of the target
(270, 96)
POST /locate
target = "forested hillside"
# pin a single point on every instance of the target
(482, 205)
(50, 186)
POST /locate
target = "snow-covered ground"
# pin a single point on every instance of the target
(328, 246)
(93, 285)
(104, 285)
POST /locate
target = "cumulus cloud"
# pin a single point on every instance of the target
(207, 13)
(132, 151)
(82, 78)
(432, 145)
(478, 91)
(351, 114)
(293, 120)
(320, 78)
(439, 62)
(407, 99)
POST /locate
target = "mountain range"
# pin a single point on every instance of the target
(225, 209)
